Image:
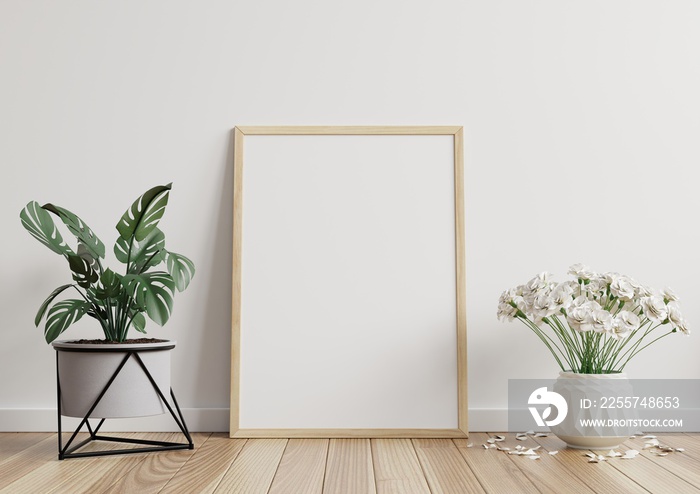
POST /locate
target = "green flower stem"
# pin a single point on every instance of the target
(636, 344)
(618, 355)
(619, 307)
(598, 352)
(577, 338)
(634, 349)
(544, 338)
(623, 343)
(592, 351)
(610, 303)
(636, 352)
(568, 356)
(608, 350)
(564, 337)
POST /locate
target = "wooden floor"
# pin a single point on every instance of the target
(28, 464)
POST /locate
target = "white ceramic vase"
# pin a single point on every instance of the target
(597, 389)
(85, 369)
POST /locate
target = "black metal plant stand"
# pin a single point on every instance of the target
(72, 452)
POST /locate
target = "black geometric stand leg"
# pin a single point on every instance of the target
(72, 452)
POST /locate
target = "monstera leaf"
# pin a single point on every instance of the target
(152, 291)
(181, 269)
(144, 214)
(62, 315)
(139, 322)
(85, 254)
(118, 302)
(110, 285)
(86, 237)
(39, 223)
(83, 274)
(98, 310)
(47, 302)
(144, 254)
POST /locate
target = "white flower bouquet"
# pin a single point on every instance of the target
(598, 321)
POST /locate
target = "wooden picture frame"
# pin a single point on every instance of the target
(245, 300)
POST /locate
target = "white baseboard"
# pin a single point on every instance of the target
(198, 420)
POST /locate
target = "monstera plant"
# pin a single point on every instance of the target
(117, 301)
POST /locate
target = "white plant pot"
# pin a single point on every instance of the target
(85, 369)
(596, 388)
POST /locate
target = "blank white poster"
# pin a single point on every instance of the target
(348, 296)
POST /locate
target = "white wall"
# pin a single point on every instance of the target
(581, 120)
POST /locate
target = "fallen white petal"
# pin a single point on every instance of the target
(534, 457)
(491, 440)
(553, 452)
(613, 454)
(652, 443)
(530, 433)
(541, 434)
(649, 437)
(485, 446)
(470, 445)
(499, 438)
(680, 450)
(590, 455)
(503, 449)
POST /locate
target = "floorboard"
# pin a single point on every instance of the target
(12, 443)
(29, 464)
(493, 469)
(204, 470)
(302, 468)
(254, 468)
(105, 471)
(155, 471)
(23, 463)
(545, 473)
(349, 467)
(683, 465)
(650, 476)
(598, 476)
(396, 467)
(444, 467)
